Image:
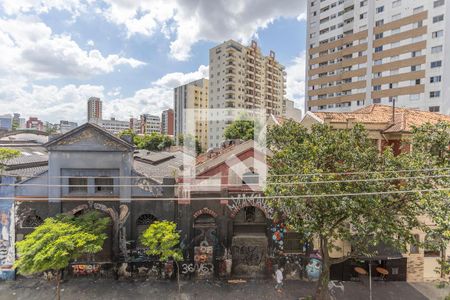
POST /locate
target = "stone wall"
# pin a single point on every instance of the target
(415, 266)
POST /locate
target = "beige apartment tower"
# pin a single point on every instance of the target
(363, 52)
(242, 79)
(190, 110)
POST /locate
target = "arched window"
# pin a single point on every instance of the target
(142, 223)
(431, 246)
(32, 221)
(414, 247)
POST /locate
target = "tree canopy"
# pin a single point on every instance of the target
(58, 241)
(7, 154)
(343, 189)
(154, 141)
(162, 239)
(240, 129)
(189, 141)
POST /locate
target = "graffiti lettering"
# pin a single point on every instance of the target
(88, 269)
(202, 269)
(244, 200)
(249, 255)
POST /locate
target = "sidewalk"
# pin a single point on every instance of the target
(98, 289)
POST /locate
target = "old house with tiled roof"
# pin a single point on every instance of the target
(385, 124)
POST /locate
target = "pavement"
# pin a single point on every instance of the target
(98, 289)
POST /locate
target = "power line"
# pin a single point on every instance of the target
(225, 185)
(87, 198)
(224, 176)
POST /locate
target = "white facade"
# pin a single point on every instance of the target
(362, 52)
(291, 112)
(66, 126)
(242, 79)
(149, 124)
(114, 126)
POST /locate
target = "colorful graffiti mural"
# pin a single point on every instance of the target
(7, 228)
(278, 232)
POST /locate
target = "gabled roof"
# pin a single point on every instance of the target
(404, 118)
(87, 126)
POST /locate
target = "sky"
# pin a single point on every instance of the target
(55, 54)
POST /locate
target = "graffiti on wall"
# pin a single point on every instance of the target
(248, 254)
(278, 231)
(203, 260)
(85, 269)
(7, 223)
(244, 200)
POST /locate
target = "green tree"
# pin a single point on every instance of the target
(7, 154)
(323, 200)
(430, 150)
(58, 241)
(162, 240)
(127, 132)
(153, 141)
(240, 129)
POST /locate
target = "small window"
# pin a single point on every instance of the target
(436, 64)
(435, 94)
(104, 185)
(377, 87)
(437, 19)
(434, 108)
(438, 3)
(431, 245)
(377, 101)
(437, 34)
(414, 247)
(434, 79)
(380, 9)
(378, 49)
(77, 185)
(379, 23)
(436, 49)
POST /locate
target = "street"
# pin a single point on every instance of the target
(96, 289)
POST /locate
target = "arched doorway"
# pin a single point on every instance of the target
(106, 254)
(205, 245)
(142, 223)
(249, 243)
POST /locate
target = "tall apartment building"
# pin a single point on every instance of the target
(190, 104)
(167, 122)
(363, 52)
(149, 124)
(242, 78)
(94, 109)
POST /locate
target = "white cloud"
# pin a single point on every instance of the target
(184, 22)
(154, 99)
(52, 103)
(191, 21)
(30, 49)
(295, 82)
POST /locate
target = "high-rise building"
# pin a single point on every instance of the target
(6, 122)
(66, 126)
(191, 104)
(35, 123)
(290, 111)
(167, 122)
(149, 124)
(135, 125)
(241, 77)
(378, 51)
(94, 109)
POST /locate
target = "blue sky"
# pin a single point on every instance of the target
(57, 53)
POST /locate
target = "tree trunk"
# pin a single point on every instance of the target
(322, 292)
(58, 284)
(443, 260)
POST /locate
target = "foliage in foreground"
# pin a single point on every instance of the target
(339, 192)
(162, 239)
